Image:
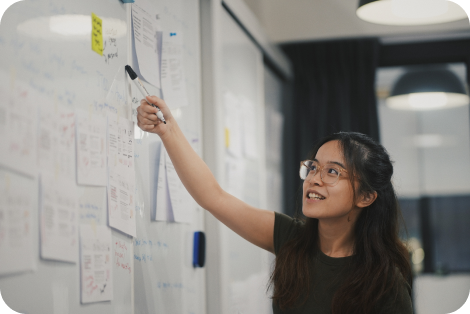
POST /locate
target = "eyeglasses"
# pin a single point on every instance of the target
(329, 173)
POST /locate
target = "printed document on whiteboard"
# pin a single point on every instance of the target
(17, 234)
(146, 25)
(96, 264)
(173, 77)
(164, 211)
(56, 142)
(233, 118)
(58, 223)
(121, 174)
(249, 128)
(18, 131)
(91, 150)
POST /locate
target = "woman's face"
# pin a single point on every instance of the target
(337, 199)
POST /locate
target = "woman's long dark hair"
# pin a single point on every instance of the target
(380, 260)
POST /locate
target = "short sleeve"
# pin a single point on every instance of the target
(401, 304)
(285, 229)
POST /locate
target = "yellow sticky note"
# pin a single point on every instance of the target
(97, 34)
(227, 138)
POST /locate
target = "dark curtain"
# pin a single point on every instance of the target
(333, 90)
(450, 233)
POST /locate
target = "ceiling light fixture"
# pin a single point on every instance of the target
(70, 27)
(409, 12)
(427, 89)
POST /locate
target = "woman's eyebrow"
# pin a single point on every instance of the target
(338, 163)
(332, 162)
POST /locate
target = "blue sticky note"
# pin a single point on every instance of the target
(128, 1)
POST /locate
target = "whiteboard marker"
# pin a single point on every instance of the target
(142, 89)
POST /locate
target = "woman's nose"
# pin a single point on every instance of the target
(314, 178)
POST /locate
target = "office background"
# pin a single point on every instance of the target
(308, 68)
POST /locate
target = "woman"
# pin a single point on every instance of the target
(346, 256)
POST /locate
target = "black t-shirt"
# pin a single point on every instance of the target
(327, 276)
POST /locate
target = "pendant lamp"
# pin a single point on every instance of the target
(409, 12)
(427, 89)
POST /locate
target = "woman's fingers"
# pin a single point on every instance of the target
(160, 103)
(146, 127)
(147, 112)
(147, 119)
(156, 101)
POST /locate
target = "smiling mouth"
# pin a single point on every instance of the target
(314, 196)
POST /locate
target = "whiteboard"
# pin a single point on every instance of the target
(62, 69)
(245, 267)
(168, 283)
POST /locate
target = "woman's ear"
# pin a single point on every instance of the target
(367, 199)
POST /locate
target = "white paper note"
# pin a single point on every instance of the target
(123, 255)
(233, 125)
(121, 175)
(56, 142)
(58, 219)
(250, 135)
(146, 25)
(173, 77)
(164, 210)
(181, 201)
(96, 264)
(91, 150)
(16, 238)
(116, 99)
(154, 150)
(18, 130)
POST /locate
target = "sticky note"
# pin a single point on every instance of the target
(97, 34)
(227, 138)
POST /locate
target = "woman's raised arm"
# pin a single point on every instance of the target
(254, 224)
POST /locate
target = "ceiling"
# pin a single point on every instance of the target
(288, 21)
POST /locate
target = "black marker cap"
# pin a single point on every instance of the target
(131, 72)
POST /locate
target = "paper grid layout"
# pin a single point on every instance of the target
(59, 216)
(96, 264)
(121, 175)
(91, 150)
(16, 238)
(56, 142)
(17, 129)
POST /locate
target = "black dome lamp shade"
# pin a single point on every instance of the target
(409, 12)
(427, 90)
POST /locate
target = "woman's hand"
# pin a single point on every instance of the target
(147, 119)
